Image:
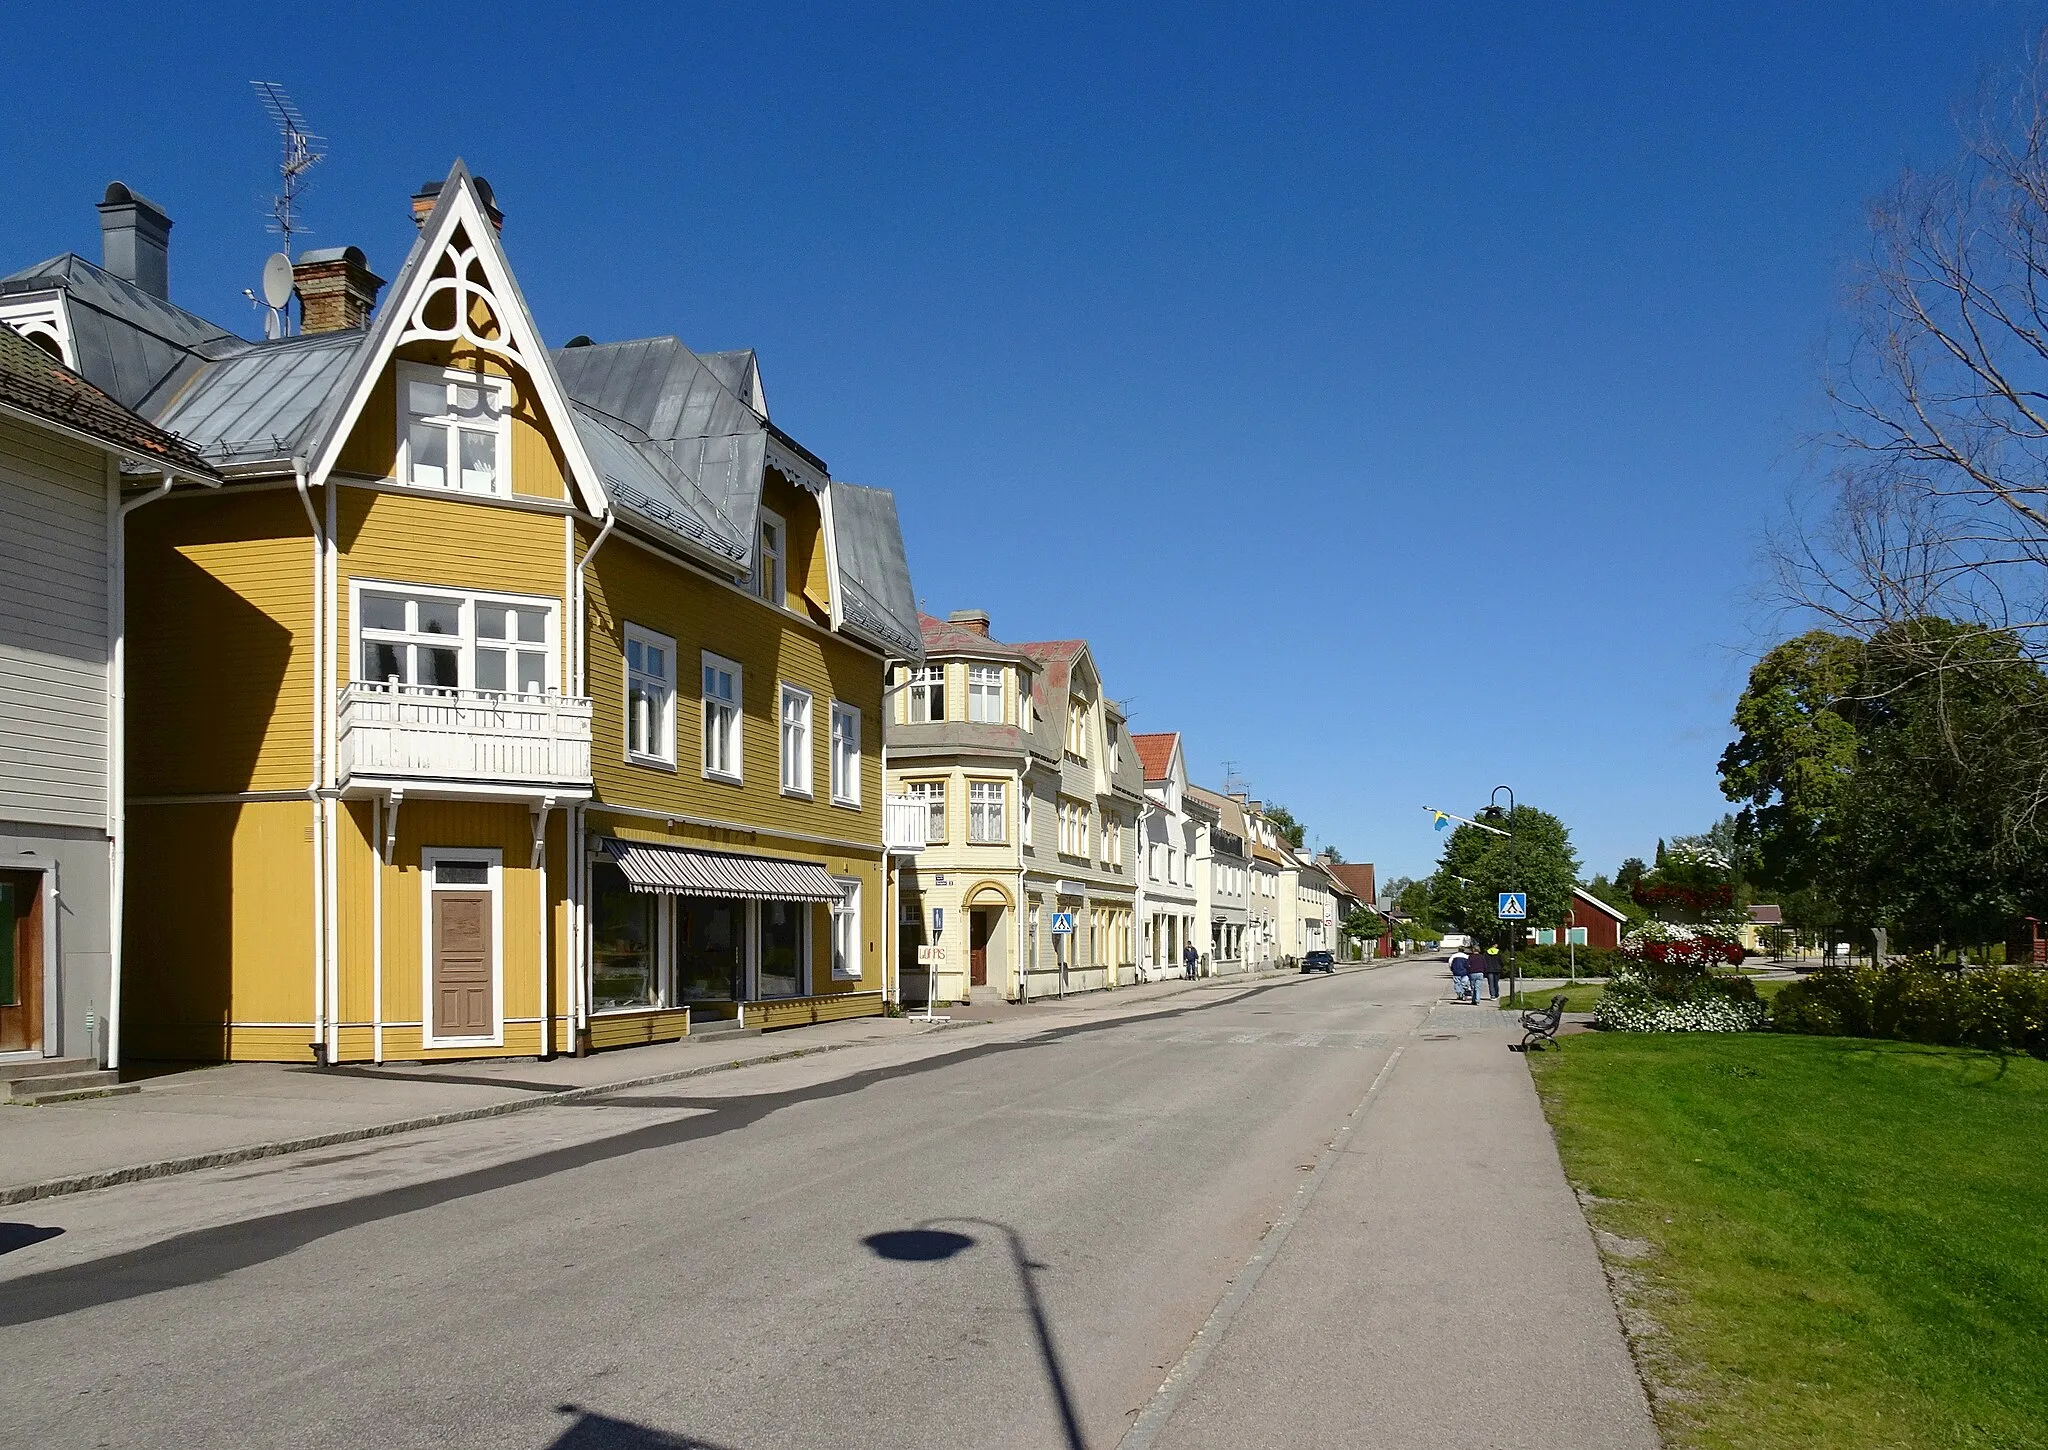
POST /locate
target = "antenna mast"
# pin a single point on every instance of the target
(301, 153)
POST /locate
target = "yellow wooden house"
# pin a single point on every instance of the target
(501, 701)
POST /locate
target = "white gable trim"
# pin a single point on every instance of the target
(1597, 904)
(402, 319)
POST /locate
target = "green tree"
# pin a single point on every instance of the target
(1890, 780)
(1418, 902)
(1290, 830)
(1535, 857)
(1365, 923)
(1333, 855)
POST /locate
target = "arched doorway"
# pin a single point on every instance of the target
(988, 907)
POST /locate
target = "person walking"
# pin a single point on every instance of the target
(1491, 966)
(1190, 958)
(1460, 983)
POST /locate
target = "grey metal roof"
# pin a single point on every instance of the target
(661, 399)
(270, 400)
(738, 369)
(875, 597)
(642, 481)
(127, 342)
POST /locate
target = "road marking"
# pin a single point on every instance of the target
(1145, 1430)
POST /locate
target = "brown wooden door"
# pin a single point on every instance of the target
(977, 949)
(21, 961)
(462, 964)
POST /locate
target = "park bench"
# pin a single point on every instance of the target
(1539, 1029)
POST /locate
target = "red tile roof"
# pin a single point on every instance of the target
(943, 637)
(1358, 878)
(1155, 752)
(35, 382)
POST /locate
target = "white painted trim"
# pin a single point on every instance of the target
(501, 390)
(808, 760)
(430, 856)
(460, 205)
(850, 800)
(47, 312)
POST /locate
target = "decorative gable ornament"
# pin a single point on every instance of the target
(457, 286)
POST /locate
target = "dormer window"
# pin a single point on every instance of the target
(456, 430)
(985, 694)
(1077, 729)
(770, 572)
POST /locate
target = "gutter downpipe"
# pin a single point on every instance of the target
(117, 741)
(330, 667)
(320, 1014)
(578, 866)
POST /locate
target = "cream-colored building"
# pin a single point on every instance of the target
(1032, 794)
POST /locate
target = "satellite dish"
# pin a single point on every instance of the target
(277, 279)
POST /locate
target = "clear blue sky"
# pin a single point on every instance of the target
(1393, 400)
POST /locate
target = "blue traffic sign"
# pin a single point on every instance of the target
(1063, 923)
(1514, 906)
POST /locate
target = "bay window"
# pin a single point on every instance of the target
(987, 812)
(927, 694)
(932, 795)
(985, 694)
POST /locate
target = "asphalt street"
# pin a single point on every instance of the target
(1004, 1235)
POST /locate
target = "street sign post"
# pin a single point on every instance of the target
(1063, 923)
(1514, 906)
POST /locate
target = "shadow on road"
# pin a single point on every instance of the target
(592, 1431)
(925, 1244)
(203, 1255)
(20, 1235)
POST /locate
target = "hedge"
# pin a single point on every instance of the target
(1998, 1009)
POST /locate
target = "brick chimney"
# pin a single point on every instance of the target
(430, 192)
(337, 290)
(974, 619)
(135, 240)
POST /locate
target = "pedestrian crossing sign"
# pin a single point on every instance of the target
(1514, 906)
(1063, 923)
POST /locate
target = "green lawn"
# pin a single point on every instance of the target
(1847, 1242)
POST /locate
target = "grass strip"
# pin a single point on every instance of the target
(1818, 1242)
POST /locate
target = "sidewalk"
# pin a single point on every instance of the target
(1440, 1288)
(209, 1117)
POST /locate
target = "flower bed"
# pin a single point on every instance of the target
(1668, 981)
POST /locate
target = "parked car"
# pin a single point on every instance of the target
(1319, 962)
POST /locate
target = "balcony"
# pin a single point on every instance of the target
(904, 819)
(500, 743)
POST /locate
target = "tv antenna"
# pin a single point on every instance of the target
(301, 154)
(1233, 783)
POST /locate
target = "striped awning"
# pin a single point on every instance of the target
(682, 871)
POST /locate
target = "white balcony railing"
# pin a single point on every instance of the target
(904, 819)
(415, 732)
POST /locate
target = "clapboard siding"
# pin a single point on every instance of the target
(53, 628)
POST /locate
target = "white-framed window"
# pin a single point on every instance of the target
(985, 694)
(1116, 843)
(933, 794)
(771, 555)
(927, 694)
(1114, 752)
(1077, 729)
(796, 741)
(452, 640)
(1024, 817)
(454, 429)
(722, 696)
(988, 816)
(845, 755)
(650, 697)
(1152, 849)
(846, 956)
(1084, 821)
